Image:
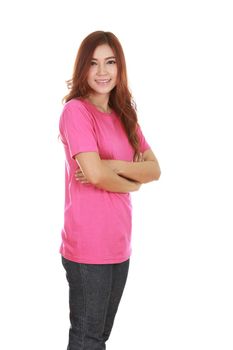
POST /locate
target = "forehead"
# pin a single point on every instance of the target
(103, 51)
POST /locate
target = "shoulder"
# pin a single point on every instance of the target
(74, 105)
(75, 109)
(75, 116)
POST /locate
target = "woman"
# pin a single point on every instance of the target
(107, 157)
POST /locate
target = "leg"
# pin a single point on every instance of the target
(89, 292)
(119, 277)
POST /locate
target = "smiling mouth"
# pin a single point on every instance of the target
(102, 81)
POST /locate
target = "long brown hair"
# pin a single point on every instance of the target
(120, 99)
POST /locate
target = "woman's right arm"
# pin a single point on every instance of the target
(102, 176)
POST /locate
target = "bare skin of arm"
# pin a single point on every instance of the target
(145, 168)
(101, 175)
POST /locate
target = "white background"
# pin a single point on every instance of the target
(179, 57)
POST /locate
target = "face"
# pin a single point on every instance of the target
(102, 74)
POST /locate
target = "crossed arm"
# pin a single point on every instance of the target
(117, 175)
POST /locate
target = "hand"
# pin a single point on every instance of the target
(79, 176)
(138, 157)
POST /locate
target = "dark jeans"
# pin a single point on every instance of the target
(95, 292)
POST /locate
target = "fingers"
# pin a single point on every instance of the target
(138, 157)
(79, 176)
(141, 157)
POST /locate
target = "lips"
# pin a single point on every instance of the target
(102, 81)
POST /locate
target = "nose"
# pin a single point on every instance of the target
(101, 69)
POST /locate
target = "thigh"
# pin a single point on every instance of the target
(97, 281)
(119, 277)
(90, 289)
(76, 288)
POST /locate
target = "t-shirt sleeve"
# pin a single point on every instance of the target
(77, 129)
(142, 141)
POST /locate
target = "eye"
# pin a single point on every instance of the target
(111, 62)
(93, 63)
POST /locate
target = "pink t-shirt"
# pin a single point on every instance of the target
(97, 223)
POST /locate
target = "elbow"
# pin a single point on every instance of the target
(157, 174)
(96, 179)
(154, 176)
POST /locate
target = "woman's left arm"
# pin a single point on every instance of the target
(143, 170)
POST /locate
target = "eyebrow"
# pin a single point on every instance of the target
(107, 58)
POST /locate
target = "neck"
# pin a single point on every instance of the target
(100, 101)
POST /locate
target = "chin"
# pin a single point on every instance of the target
(103, 90)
